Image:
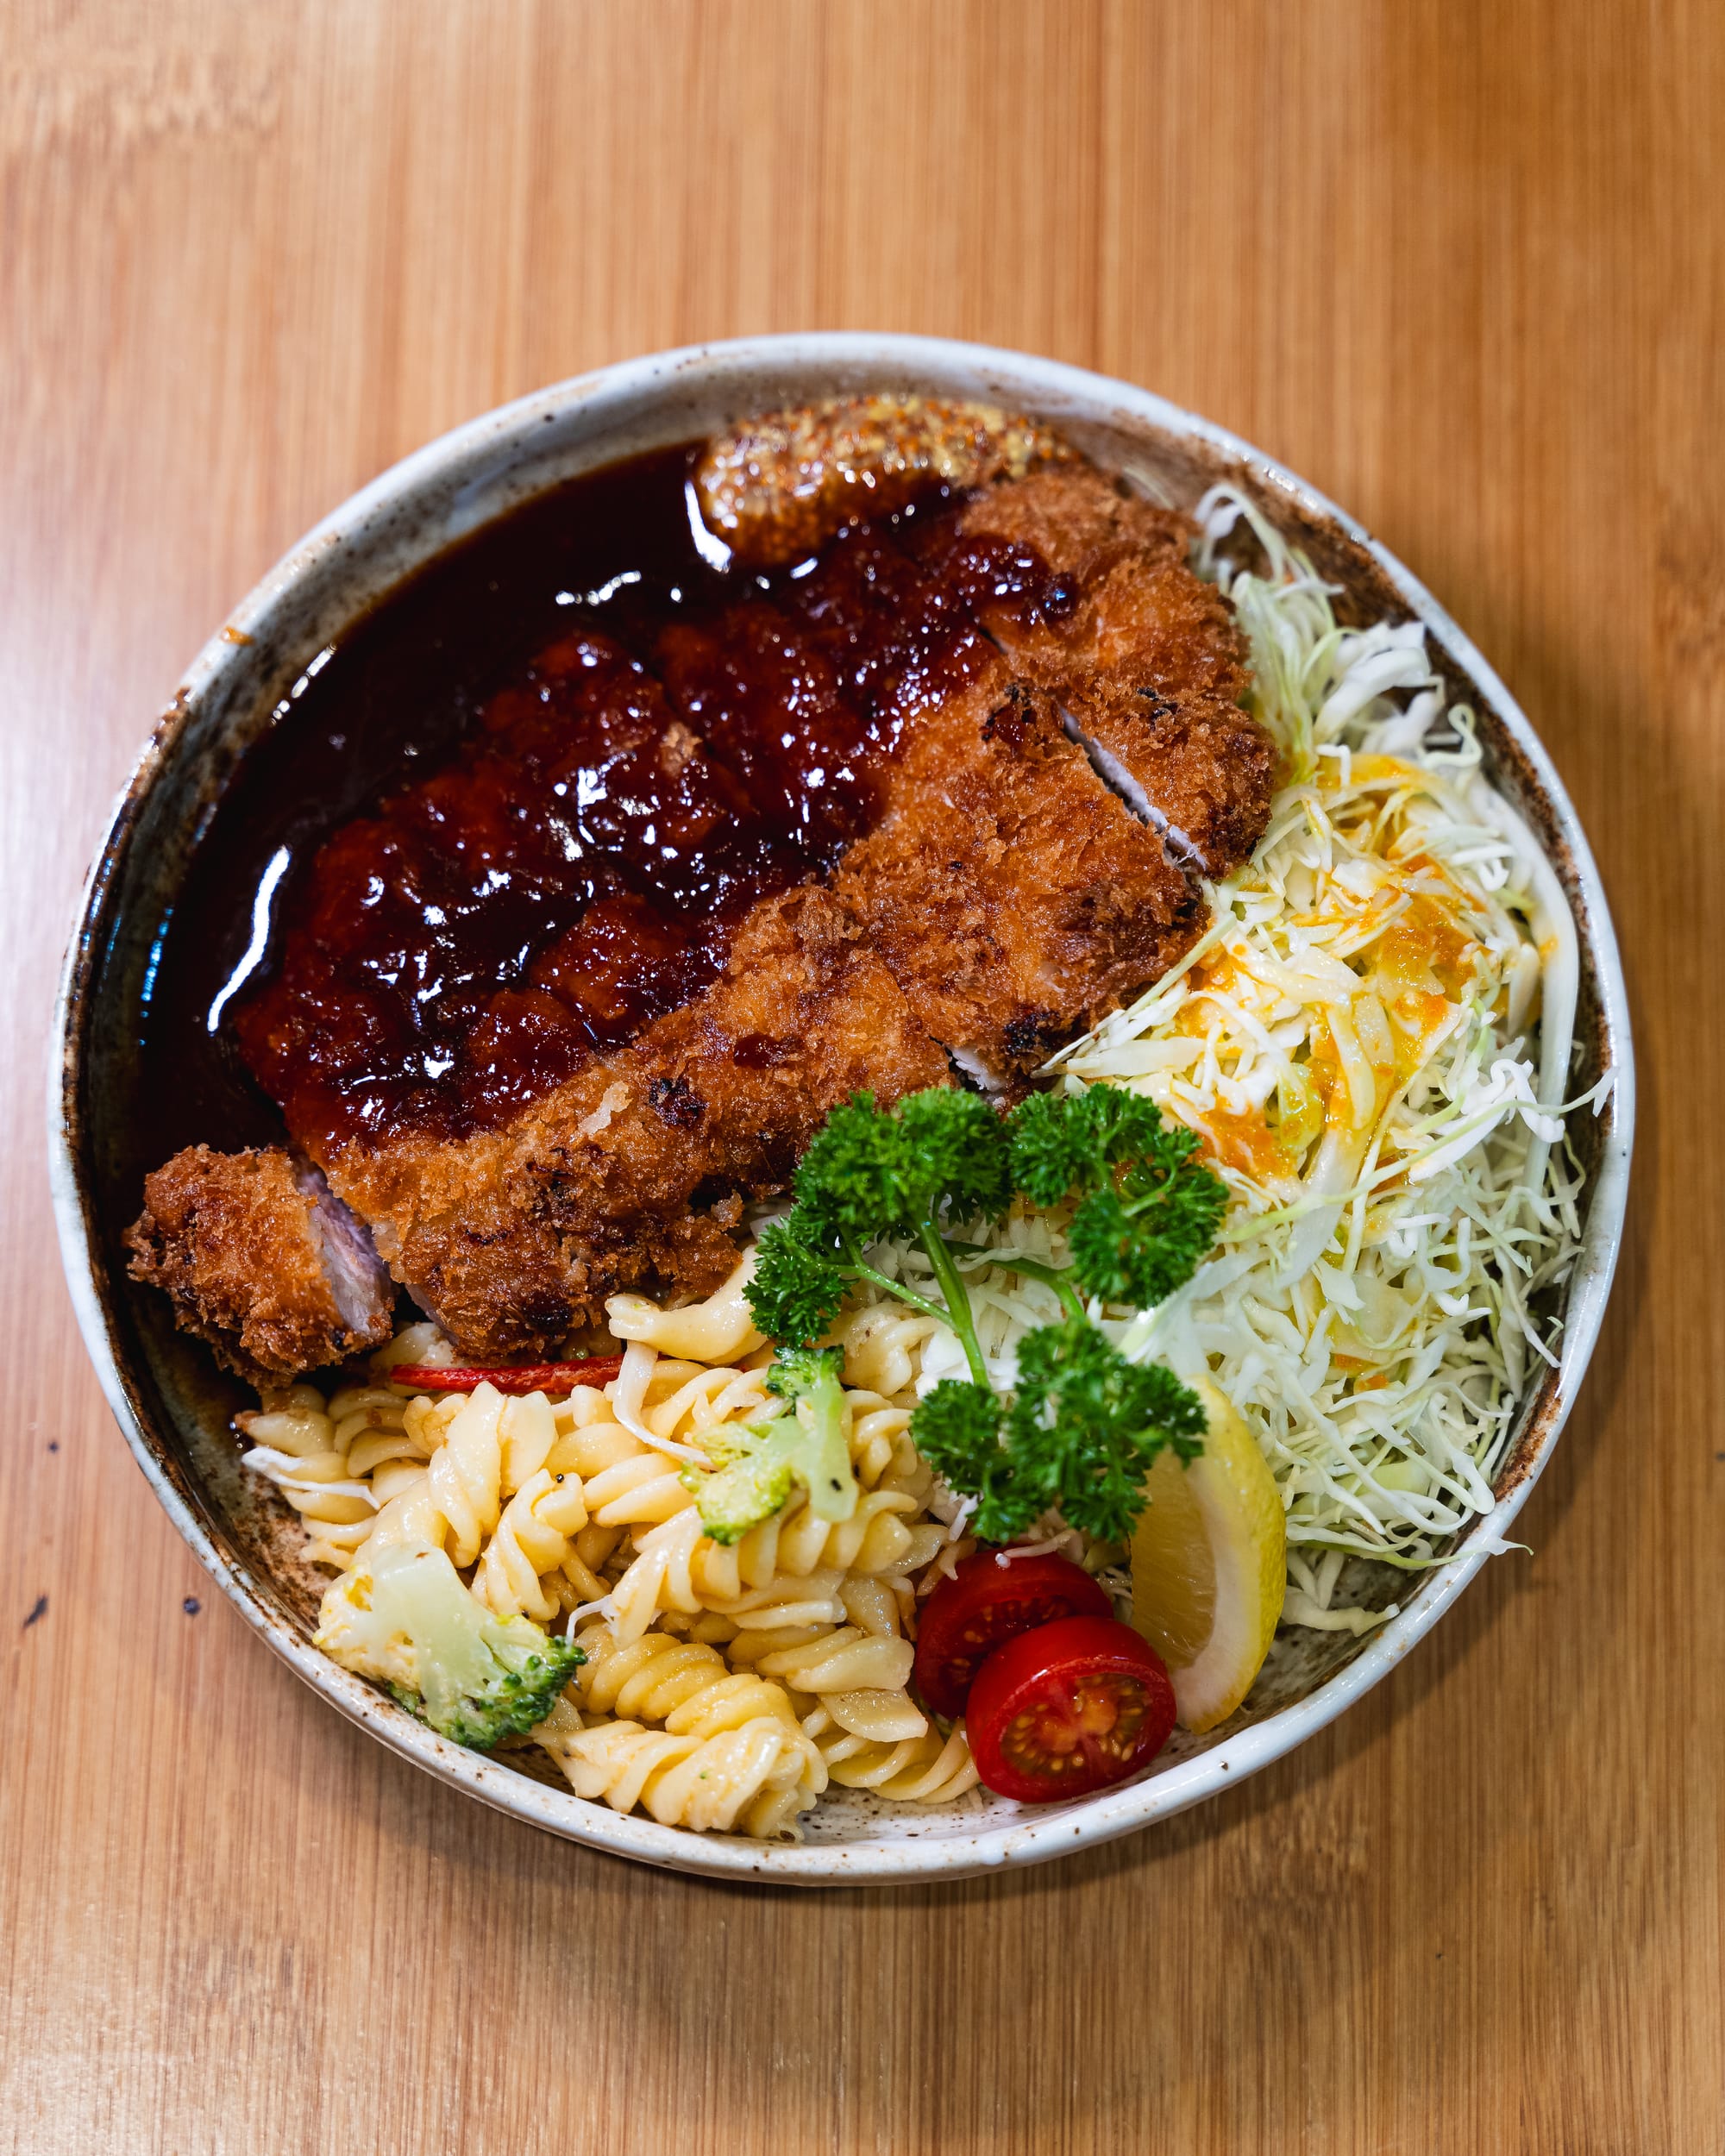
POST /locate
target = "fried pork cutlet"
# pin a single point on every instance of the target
(779, 487)
(261, 1261)
(552, 1097)
(1005, 898)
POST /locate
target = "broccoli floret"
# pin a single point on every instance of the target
(754, 1468)
(405, 1618)
(809, 1379)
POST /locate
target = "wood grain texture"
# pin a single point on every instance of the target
(1461, 264)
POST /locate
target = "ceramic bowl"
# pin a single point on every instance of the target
(174, 1407)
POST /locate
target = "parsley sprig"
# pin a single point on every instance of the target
(1083, 1425)
(871, 1176)
(1149, 1208)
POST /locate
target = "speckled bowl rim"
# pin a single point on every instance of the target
(465, 465)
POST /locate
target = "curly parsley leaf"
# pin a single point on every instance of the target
(869, 1172)
(1085, 1427)
(795, 1292)
(1149, 1207)
(957, 1430)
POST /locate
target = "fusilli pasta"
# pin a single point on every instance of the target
(530, 1544)
(725, 1686)
(755, 1776)
(926, 1770)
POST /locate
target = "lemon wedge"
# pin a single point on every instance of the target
(1209, 1566)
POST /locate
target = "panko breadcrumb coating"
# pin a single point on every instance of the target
(778, 487)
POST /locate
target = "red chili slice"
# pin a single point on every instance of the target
(1067, 1709)
(986, 1602)
(520, 1377)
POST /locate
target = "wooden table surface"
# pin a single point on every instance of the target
(1460, 264)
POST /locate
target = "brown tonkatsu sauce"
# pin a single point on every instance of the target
(518, 809)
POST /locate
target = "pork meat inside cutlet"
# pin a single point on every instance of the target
(638, 1167)
(260, 1261)
(778, 487)
(1144, 656)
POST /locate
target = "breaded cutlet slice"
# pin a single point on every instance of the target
(639, 1166)
(260, 1261)
(777, 488)
(1144, 655)
(1014, 896)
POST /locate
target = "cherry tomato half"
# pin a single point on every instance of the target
(1070, 1707)
(985, 1602)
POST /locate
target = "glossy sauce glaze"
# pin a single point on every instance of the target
(623, 746)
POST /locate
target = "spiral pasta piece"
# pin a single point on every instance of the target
(704, 1400)
(681, 1682)
(563, 1722)
(719, 1331)
(298, 1425)
(678, 1567)
(639, 1491)
(881, 1453)
(532, 1543)
(365, 1405)
(926, 1770)
(457, 1501)
(882, 1344)
(836, 1658)
(855, 1673)
(527, 1429)
(334, 1544)
(754, 1776)
(423, 1344)
(295, 1446)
